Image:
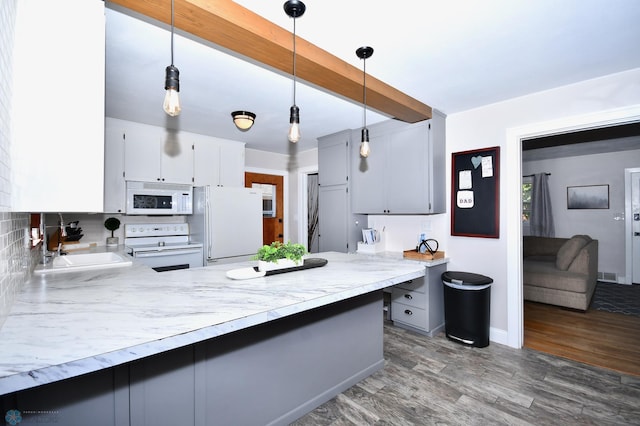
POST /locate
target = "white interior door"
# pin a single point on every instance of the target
(632, 225)
(635, 226)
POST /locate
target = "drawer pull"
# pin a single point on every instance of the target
(408, 296)
(408, 312)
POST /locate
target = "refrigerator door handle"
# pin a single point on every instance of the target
(207, 220)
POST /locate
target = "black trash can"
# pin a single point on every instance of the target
(467, 303)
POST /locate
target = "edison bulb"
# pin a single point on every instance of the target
(294, 133)
(365, 150)
(172, 102)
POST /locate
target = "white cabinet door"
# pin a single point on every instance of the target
(114, 183)
(176, 157)
(206, 161)
(154, 154)
(232, 164)
(141, 152)
(217, 162)
(57, 107)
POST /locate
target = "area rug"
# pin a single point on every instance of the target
(619, 298)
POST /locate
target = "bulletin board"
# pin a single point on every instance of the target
(475, 193)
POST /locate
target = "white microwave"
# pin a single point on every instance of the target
(150, 198)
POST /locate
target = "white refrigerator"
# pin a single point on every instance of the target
(228, 221)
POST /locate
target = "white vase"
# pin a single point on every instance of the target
(279, 264)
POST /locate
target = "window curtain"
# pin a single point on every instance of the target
(541, 221)
(312, 214)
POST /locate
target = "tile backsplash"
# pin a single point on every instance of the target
(15, 258)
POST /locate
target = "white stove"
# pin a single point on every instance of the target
(163, 246)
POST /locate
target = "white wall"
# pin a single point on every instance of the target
(605, 225)
(590, 101)
(493, 125)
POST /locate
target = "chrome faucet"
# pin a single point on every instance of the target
(46, 254)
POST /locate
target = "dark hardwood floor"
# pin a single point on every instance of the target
(429, 381)
(604, 339)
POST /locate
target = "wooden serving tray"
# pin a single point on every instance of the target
(414, 255)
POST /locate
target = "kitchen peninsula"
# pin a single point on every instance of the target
(131, 346)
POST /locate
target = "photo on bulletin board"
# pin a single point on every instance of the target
(475, 193)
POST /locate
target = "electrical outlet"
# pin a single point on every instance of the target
(425, 226)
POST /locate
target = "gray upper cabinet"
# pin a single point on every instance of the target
(333, 155)
(405, 172)
(338, 229)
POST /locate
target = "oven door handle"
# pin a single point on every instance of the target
(165, 253)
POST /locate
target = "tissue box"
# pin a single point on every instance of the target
(370, 248)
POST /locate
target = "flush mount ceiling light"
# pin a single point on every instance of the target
(364, 53)
(171, 103)
(294, 9)
(243, 119)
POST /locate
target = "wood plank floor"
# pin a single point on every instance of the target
(604, 339)
(429, 381)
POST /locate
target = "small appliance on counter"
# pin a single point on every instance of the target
(163, 246)
(228, 221)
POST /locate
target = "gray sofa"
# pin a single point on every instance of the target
(560, 271)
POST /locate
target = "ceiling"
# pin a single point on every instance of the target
(453, 56)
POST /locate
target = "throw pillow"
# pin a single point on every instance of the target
(569, 251)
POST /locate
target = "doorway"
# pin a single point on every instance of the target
(514, 138)
(632, 224)
(273, 190)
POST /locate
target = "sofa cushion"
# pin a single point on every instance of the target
(569, 251)
(545, 274)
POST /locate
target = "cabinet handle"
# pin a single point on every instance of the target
(408, 296)
(408, 312)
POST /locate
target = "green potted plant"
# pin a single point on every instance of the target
(112, 224)
(278, 255)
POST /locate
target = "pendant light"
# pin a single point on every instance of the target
(295, 9)
(171, 103)
(364, 53)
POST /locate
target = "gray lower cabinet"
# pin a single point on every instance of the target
(271, 373)
(418, 304)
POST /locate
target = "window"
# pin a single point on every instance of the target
(527, 190)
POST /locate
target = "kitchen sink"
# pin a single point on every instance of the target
(84, 262)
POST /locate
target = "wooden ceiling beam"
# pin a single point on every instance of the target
(233, 27)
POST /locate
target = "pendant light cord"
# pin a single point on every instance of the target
(294, 61)
(171, 32)
(364, 92)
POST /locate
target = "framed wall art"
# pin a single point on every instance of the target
(588, 197)
(475, 193)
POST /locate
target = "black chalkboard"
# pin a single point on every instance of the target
(475, 193)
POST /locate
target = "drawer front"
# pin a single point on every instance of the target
(411, 298)
(409, 315)
(416, 284)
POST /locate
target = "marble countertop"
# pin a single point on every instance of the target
(65, 325)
